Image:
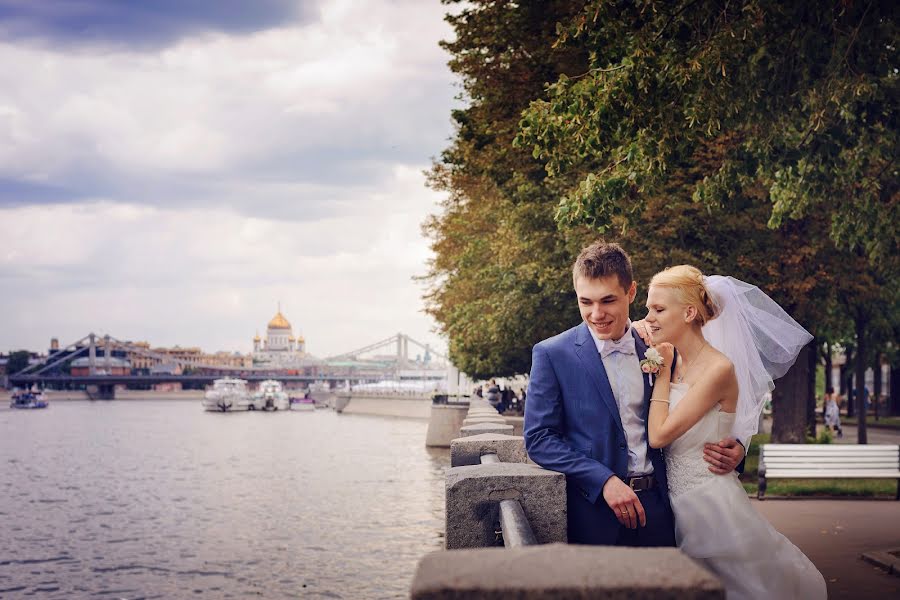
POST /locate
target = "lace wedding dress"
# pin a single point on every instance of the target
(716, 524)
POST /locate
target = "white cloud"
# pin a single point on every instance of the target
(212, 277)
(177, 193)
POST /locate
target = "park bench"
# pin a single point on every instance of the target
(828, 461)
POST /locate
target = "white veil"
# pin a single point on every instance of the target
(760, 339)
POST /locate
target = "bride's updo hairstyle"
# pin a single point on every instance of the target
(687, 283)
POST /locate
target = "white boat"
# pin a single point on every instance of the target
(227, 395)
(305, 403)
(321, 394)
(271, 396)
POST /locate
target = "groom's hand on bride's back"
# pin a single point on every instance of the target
(724, 456)
(624, 503)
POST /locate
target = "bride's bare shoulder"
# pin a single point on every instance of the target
(720, 366)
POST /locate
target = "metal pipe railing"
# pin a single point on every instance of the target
(514, 525)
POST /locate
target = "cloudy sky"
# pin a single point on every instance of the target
(171, 169)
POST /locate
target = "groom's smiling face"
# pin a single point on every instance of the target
(603, 303)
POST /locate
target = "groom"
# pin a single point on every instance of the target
(587, 414)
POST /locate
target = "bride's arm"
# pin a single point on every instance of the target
(664, 426)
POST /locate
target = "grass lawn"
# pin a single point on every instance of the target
(863, 488)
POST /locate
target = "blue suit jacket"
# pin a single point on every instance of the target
(572, 425)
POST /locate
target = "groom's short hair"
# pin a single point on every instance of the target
(602, 259)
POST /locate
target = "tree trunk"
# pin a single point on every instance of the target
(876, 383)
(847, 381)
(812, 359)
(862, 437)
(789, 402)
(844, 373)
(894, 390)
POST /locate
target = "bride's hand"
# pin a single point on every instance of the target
(667, 351)
(644, 331)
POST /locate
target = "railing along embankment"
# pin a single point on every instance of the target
(506, 533)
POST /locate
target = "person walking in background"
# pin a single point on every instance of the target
(493, 395)
(832, 412)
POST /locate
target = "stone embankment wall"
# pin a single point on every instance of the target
(491, 481)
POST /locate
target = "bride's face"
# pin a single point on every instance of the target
(665, 314)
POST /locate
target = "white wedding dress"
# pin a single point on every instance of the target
(716, 524)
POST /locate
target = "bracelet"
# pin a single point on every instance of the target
(658, 400)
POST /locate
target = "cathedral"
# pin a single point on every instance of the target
(280, 348)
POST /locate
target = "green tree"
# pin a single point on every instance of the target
(17, 361)
(499, 280)
(807, 91)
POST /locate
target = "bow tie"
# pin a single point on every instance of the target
(625, 345)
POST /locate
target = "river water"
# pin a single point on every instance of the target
(158, 499)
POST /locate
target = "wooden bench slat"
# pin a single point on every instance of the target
(834, 446)
(847, 468)
(843, 467)
(834, 458)
(836, 450)
(800, 474)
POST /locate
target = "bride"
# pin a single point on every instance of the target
(731, 341)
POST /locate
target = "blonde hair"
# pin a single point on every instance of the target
(687, 283)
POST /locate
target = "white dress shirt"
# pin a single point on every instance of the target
(627, 383)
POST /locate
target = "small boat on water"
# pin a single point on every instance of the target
(227, 395)
(271, 396)
(304, 403)
(321, 394)
(27, 399)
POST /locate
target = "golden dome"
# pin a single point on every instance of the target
(301, 339)
(279, 322)
(291, 338)
(256, 337)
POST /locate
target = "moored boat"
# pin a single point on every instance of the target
(271, 396)
(227, 395)
(27, 400)
(304, 403)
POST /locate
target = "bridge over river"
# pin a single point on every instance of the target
(101, 375)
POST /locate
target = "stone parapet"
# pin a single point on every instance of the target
(444, 424)
(557, 571)
(477, 420)
(467, 430)
(468, 450)
(474, 492)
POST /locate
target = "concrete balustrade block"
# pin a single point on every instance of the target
(468, 450)
(444, 424)
(467, 430)
(518, 424)
(474, 493)
(477, 420)
(556, 571)
(481, 404)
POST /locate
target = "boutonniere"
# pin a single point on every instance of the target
(652, 362)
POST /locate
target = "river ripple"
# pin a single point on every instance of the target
(157, 499)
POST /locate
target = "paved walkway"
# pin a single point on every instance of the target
(875, 435)
(834, 533)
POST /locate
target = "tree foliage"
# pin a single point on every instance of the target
(677, 129)
(17, 361)
(500, 278)
(805, 91)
